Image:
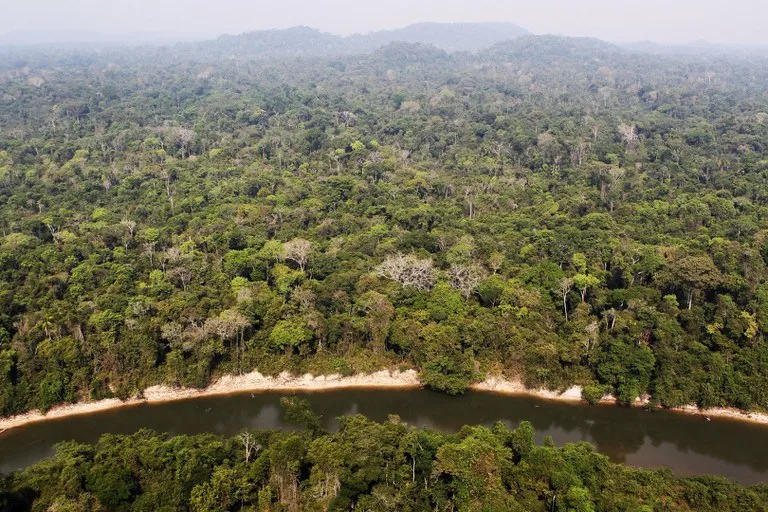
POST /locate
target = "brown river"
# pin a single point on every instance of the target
(688, 445)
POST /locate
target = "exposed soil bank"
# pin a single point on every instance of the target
(228, 384)
(573, 394)
(255, 381)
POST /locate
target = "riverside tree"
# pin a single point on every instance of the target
(363, 466)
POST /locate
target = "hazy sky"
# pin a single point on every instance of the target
(739, 21)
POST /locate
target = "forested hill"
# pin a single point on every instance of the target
(555, 209)
(451, 37)
(305, 41)
(295, 42)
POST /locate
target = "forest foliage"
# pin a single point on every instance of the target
(558, 210)
(364, 466)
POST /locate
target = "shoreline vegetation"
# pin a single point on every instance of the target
(383, 379)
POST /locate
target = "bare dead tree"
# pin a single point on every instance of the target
(250, 446)
(149, 252)
(227, 325)
(297, 250)
(408, 270)
(402, 157)
(130, 227)
(579, 151)
(628, 134)
(168, 179)
(500, 150)
(465, 278)
(35, 81)
(470, 197)
(55, 232)
(444, 240)
(230, 325)
(346, 118)
(170, 255)
(183, 274)
(564, 289)
(616, 174)
(591, 338)
(304, 298)
(182, 138)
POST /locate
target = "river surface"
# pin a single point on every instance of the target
(688, 445)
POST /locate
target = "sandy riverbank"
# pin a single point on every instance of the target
(255, 381)
(573, 394)
(514, 387)
(724, 412)
(228, 384)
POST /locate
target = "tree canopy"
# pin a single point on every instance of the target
(554, 209)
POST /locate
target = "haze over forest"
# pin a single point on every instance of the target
(143, 21)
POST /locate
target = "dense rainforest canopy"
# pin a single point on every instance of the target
(558, 210)
(365, 466)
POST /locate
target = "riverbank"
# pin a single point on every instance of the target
(226, 385)
(573, 394)
(256, 382)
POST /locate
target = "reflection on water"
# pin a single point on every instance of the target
(686, 444)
